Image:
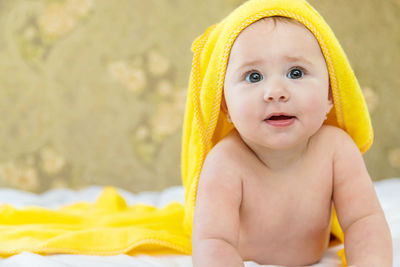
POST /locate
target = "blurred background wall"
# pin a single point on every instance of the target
(93, 91)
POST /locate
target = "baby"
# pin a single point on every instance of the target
(266, 190)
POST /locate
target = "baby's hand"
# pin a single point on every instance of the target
(215, 252)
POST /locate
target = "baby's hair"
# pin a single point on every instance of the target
(276, 19)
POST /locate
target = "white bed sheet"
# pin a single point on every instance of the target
(388, 192)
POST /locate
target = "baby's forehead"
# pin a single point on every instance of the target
(275, 42)
(266, 33)
(269, 24)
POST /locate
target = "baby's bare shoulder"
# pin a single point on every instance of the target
(226, 151)
(332, 135)
(328, 140)
(221, 163)
(329, 131)
(334, 141)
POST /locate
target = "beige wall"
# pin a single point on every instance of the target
(93, 91)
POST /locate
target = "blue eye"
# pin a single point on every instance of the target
(253, 77)
(295, 73)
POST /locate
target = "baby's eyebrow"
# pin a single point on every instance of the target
(297, 58)
(288, 58)
(255, 62)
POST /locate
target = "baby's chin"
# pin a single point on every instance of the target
(285, 145)
(274, 142)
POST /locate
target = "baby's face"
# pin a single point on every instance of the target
(276, 70)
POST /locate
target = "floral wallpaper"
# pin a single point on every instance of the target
(93, 91)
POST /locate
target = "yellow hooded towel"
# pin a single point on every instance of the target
(109, 226)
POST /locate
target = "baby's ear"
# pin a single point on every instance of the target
(224, 109)
(223, 106)
(330, 105)
(330, 100)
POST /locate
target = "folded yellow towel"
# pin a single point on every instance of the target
(110, 227)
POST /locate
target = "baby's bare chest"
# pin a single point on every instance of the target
(281, 214)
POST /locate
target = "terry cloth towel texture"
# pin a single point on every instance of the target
(110, 227)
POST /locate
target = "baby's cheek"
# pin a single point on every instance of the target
(250, 113)
(241, 106)
(315, 107)
(243, 115)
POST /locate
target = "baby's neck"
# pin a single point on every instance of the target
(282, 159)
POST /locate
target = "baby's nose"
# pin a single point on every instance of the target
(282, 98)
(276, 92)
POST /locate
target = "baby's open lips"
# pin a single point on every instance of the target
(279, 116)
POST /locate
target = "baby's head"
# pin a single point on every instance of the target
(276, 79)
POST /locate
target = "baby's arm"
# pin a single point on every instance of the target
(216, 219)
(367, 238)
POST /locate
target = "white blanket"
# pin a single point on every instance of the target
(388, 192)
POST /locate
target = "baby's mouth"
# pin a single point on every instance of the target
(277, 117)
(280, 119)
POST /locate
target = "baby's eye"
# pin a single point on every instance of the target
(254, 77)
(295, 73)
